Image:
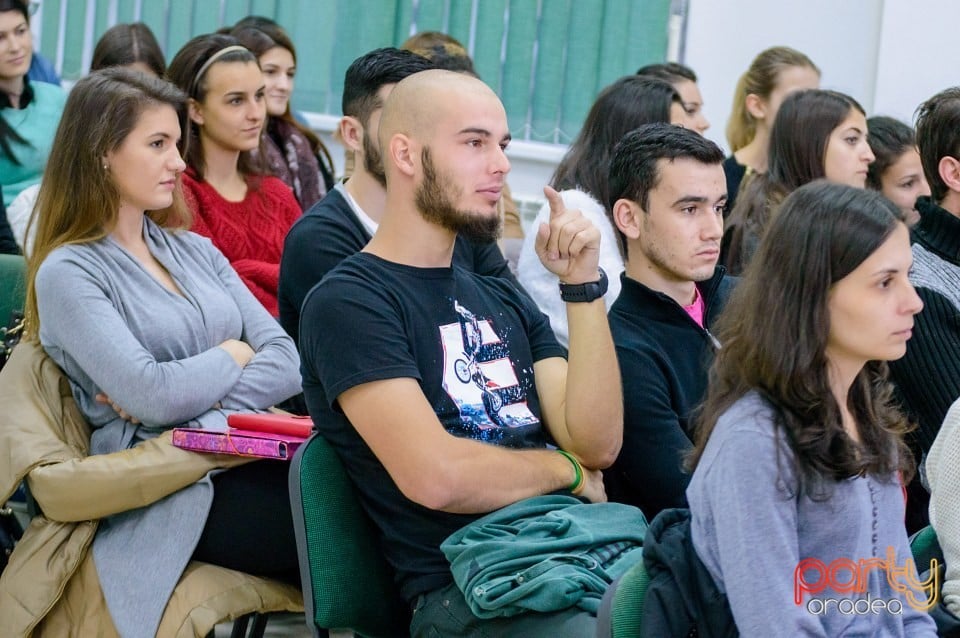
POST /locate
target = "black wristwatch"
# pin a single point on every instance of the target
(576, 293)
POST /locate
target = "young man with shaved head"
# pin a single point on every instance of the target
(441, 389)
(344, 221)
(667, 197)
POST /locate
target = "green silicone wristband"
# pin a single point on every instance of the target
(578, 470)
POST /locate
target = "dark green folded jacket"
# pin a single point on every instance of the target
(544, 554)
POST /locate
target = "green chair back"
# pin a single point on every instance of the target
(347, 583)
(13, 287)
(626, 611)
(925, 547)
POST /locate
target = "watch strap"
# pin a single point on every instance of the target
(585, 293)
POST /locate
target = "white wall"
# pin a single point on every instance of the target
(918, 54)
(842, 37)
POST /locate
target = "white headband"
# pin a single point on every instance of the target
(213, 58)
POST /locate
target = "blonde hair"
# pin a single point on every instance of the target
(78, 200)
(760, 79)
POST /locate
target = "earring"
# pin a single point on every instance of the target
(105, 167)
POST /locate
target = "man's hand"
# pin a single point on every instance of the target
(569, 245)
(593, 488)
(126, 416)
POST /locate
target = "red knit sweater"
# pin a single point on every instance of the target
(249, 233)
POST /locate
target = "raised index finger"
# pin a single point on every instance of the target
(557, 206)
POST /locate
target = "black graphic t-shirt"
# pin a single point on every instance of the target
(470, 341)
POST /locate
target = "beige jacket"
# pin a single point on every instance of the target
(50, 585)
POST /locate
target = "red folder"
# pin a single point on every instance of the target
(274, 423)
(264, 445)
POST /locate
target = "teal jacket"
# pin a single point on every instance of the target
(545, 553)
(36, 124)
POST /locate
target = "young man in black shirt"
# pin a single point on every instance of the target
(668, 194)
(441, 388)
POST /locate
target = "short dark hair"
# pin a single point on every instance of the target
(889, 139)
(371, 71)
(669, 71)
(126, 44)
(21, 6)
(261, 23)
(938, 136)
(635, 170)
(7, 132)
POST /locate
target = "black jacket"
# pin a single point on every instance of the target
(682, 599)
(664, 357)
(928, 376)
(8, 245)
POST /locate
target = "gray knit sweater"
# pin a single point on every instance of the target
(751, 530)
(943, 475)
(114, 328)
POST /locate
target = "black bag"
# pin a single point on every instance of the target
(682, 600)
(10, 533)
(10, 336)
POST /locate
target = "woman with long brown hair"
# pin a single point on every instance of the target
(294, 152)
(817, 134)
(153, 330)
(243, 209)
(799, 459)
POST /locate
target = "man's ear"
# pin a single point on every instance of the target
(949, 169)
(351, 133)
(626, 215)
(195, 112)
(756, 106)
(403, 154)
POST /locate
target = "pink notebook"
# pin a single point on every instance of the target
(239, 442)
